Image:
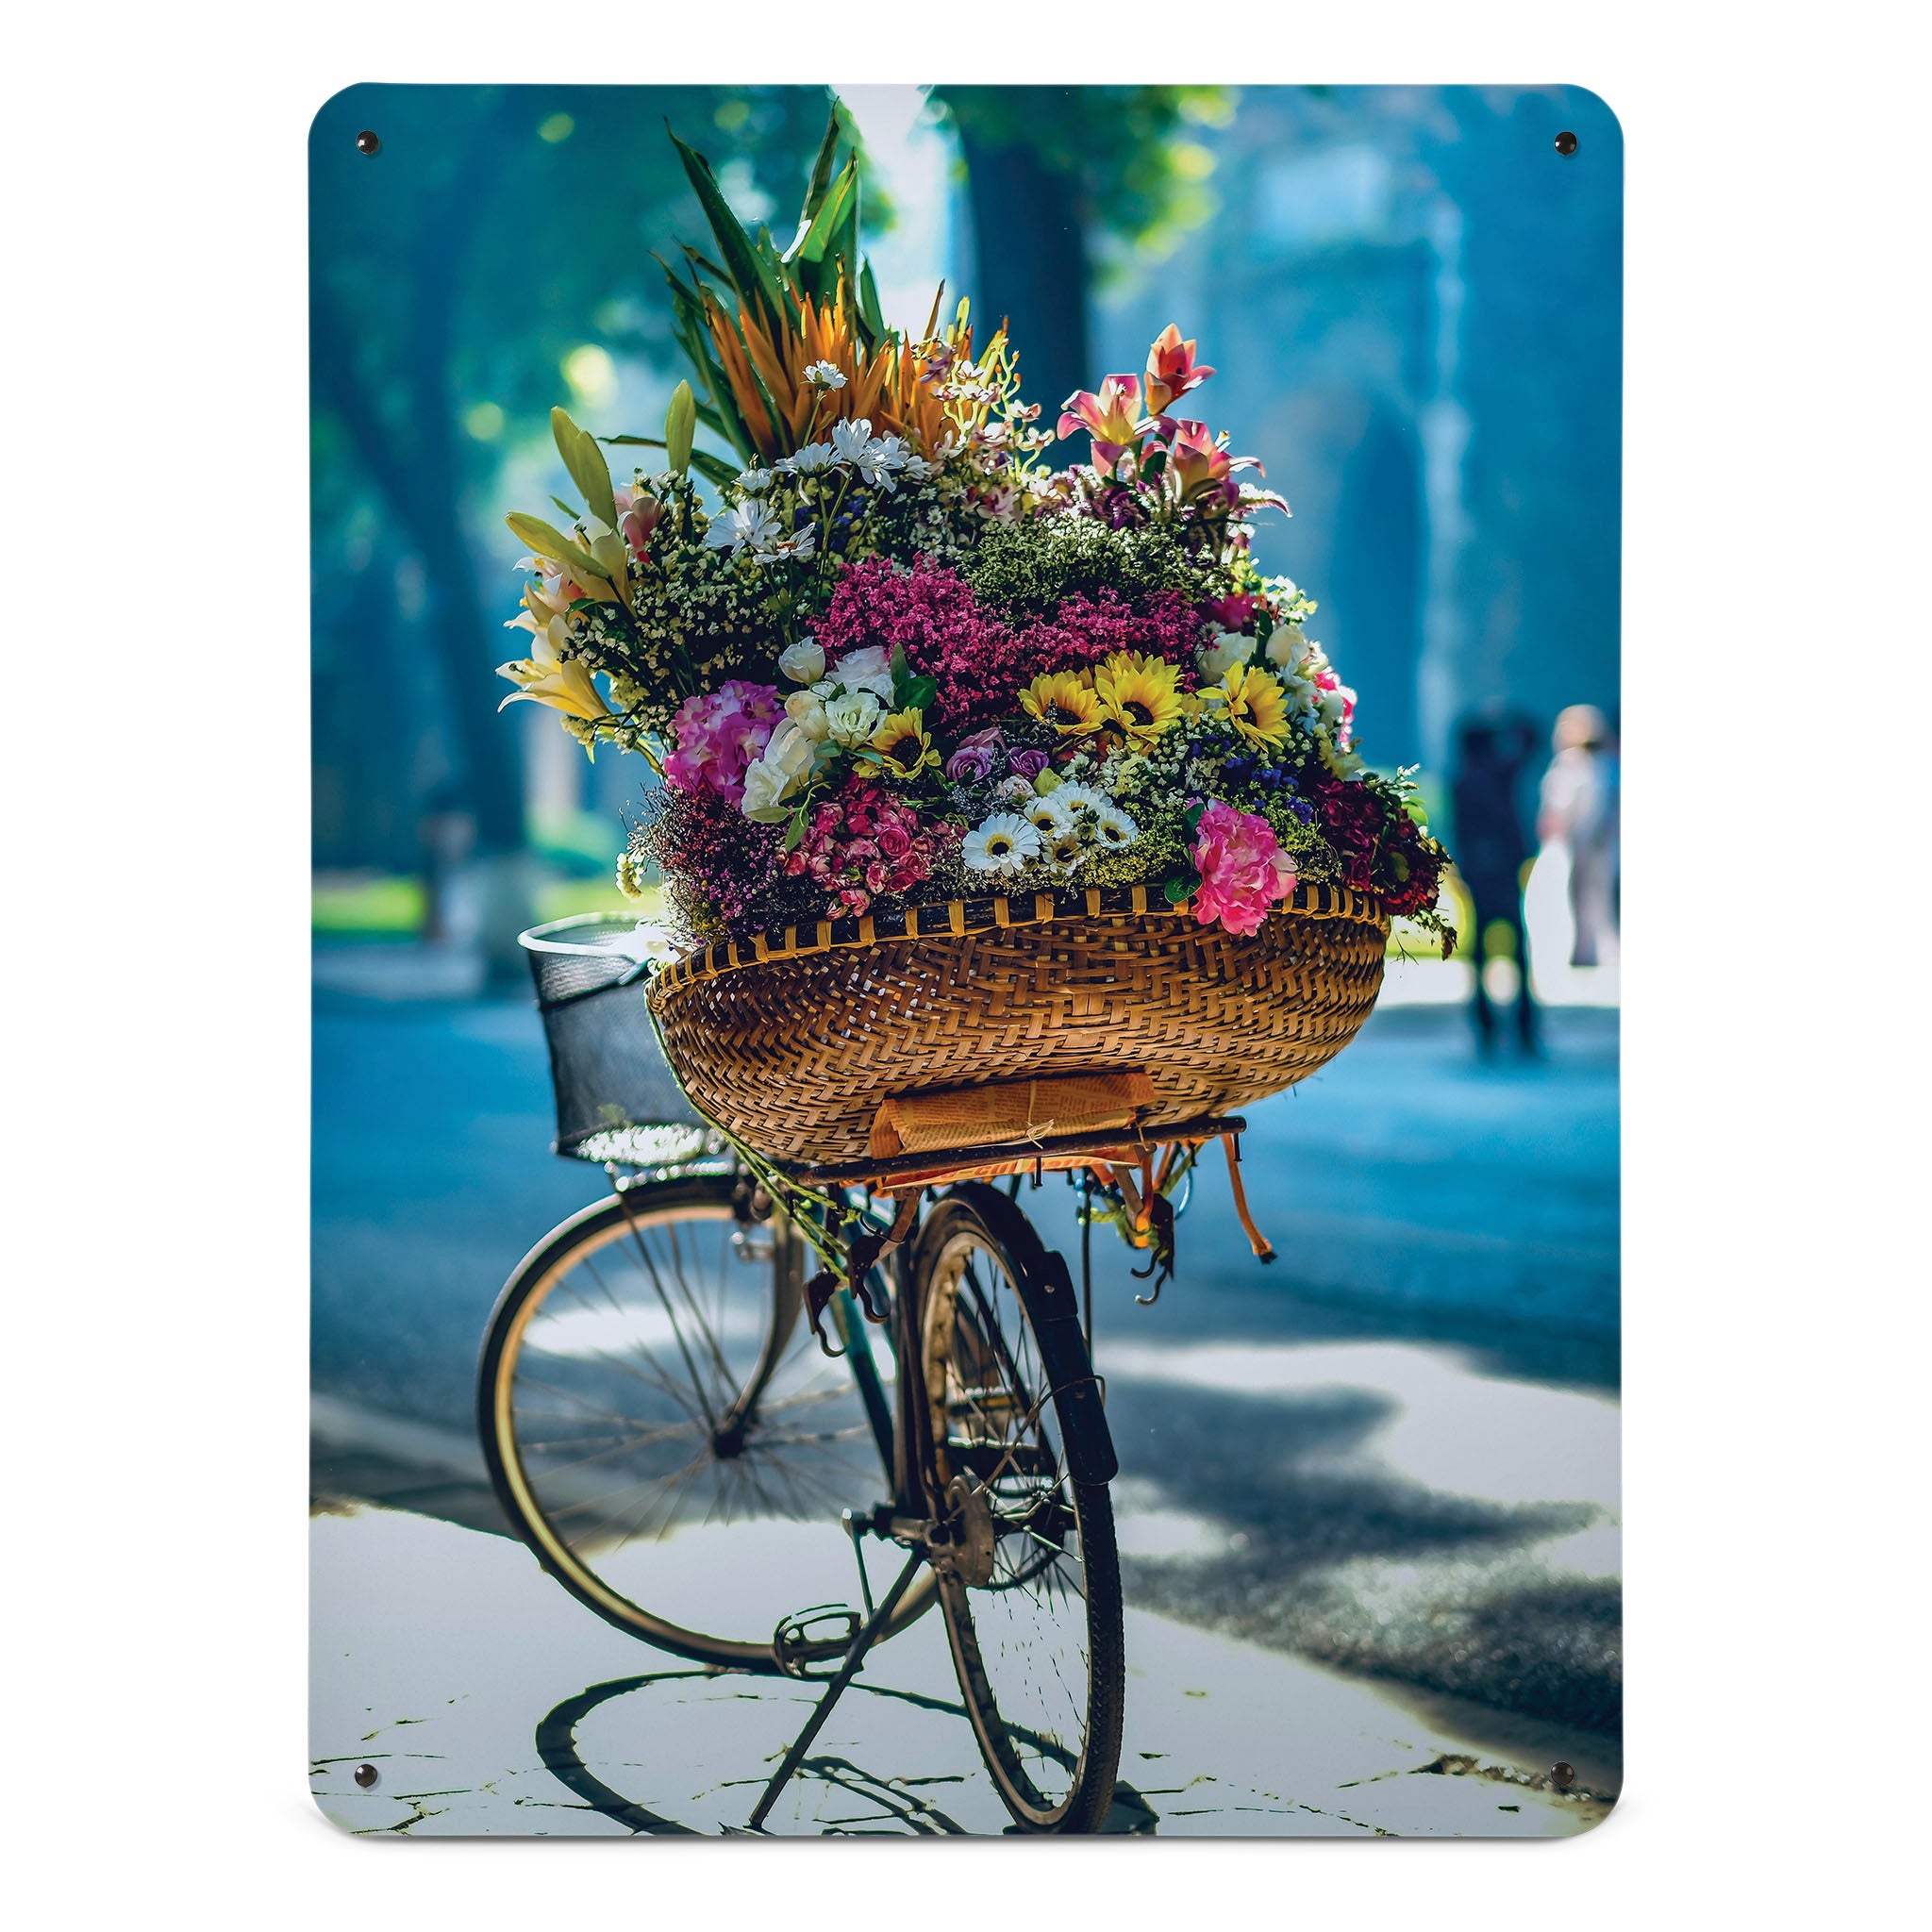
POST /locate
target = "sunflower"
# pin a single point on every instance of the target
(901, 745)
(1064, 700)
(1251, 701)
(1141, 696)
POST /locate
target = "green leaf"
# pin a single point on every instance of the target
(713, 469)
(680, 420)
(871, 322)
(1178, 890)
(1193, 816)
(548, 542)
(817, 239)
(820, 173)
(918, 694)
(794, 832)
(587, 467)
(747, 274)
(565, 508)
(694, 337)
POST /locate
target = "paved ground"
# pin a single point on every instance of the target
(1392, 1454)
(488, 1703)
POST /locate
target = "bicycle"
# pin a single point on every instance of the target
(658, 1370)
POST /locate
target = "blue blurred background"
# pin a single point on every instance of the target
(1394, 1452)
(1412, 298)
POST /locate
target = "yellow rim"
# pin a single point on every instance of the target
(956, 918)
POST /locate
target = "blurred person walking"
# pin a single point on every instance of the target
(1578, 808)
(1492, 850)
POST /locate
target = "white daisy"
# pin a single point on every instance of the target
(1045, 815)
(851, 438)
(1066, 849)
(825, 375)
(814, 456)
(1079, 805)
(745, 525)
(1001, 846)
(1113, 827)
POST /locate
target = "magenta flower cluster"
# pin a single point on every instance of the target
(1243, 870)
(719, 736)
(976, 661)
(863, 843)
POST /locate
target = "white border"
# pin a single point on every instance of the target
(154, 722)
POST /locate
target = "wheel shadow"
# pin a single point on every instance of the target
(850, 1799)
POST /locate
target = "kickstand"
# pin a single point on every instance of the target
(835, 1690)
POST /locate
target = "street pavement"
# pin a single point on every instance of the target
(1378, 1477)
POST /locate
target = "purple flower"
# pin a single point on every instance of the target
(1026, 764)
(969, 765)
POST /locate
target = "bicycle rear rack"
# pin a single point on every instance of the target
(1009, 1156)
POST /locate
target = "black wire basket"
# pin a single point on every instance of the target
(616, 1099)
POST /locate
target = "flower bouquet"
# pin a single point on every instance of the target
(969, 772)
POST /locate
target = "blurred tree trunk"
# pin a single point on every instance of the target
(425, 491)
(1030, 265)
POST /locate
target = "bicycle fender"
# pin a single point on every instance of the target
(1063, 1348)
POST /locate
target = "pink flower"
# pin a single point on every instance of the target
(1243, 870)
(1111, 417)
(1202, 467)
(1172, 370)
(638, 516)
(719, 735)
(1232, 613)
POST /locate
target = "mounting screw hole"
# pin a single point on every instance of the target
(1562, 1776)
(1566, 142)
(366, 1776)
(367, 142)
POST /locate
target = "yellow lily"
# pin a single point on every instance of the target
(546, 676)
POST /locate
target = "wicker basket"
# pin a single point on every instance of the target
(795, 1039)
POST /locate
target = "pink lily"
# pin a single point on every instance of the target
(1199, 464)
(1111, 417)
(637, 519)
(1172, 370)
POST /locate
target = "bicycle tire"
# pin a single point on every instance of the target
(566, 1550)
(1043, 1490)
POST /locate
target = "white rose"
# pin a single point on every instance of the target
(803, 662)
(1222, 655)
(869, 669)
(854, 718)
(806, 710)
(784, 768)
(1285, 646)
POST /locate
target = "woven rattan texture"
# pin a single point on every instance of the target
(794, 1054)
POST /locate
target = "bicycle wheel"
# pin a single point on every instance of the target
(1032, 1590)
(665, 1434)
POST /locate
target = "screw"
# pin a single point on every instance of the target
(1561, 1775)
(1566, 142)
(366, 1776)
(367, 143)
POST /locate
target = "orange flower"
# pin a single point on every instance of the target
(1172, 370)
